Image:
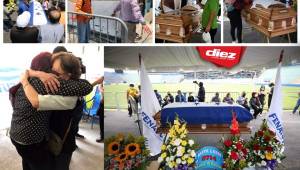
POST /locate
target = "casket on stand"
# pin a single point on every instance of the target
(272, 21)
(204, 118)
(177, 25)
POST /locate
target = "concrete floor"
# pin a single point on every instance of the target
(118, 121)
(89, 156)
(250, 35)
(106, 8)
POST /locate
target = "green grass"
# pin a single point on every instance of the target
(115, 93)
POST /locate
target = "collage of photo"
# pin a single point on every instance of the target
(150, 85)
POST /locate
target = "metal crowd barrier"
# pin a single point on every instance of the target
(104, 29)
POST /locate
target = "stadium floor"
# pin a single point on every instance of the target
(120, 122)
(89, 156)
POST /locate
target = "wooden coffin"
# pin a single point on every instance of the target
(199, 129)
(178, 25)
(273, 21)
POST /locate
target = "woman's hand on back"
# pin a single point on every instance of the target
(24, 78)
(50, 81)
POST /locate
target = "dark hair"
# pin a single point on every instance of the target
(271, 84)
(54, 15)
(61, 6)
(243, 94)
(253, 94)
(69, 64)
(200, 84)
(42, 62)
(59, 49)
(155, 91)
(131, 85)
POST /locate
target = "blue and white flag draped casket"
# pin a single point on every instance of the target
(205, 117)
(38, 16)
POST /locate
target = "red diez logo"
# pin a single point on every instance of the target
(217, 53)
(223, 56)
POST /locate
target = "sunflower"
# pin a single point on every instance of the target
(121, 157)
(132, 149)
(113, 148)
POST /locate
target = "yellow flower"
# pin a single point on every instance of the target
(182, 135)
(269, 156)
(176, 122)
(190, 160)
(163, 155)
(183, 143)
(163, 147)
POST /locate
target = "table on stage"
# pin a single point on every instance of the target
(205, 117)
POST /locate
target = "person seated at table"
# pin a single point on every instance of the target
(158, 96)
(168, 99)
(22, 33)
(53, 32)
(216, 98)
(228, 99)
(255, 105)
(179, 97)
(191, 97)
(242, 100)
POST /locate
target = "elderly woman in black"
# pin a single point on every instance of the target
(30, 127)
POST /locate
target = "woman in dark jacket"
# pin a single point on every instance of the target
(255, 105)
(30, 127)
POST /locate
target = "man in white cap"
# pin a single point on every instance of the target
(22, 33)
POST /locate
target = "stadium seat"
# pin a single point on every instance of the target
(91, 104)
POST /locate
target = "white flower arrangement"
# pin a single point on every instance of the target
(178, 150)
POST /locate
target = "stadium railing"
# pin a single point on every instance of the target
(117, 100)
(104, 29)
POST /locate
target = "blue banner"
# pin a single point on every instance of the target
(208, 158)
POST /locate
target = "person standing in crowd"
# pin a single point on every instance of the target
(130, 13)
(29, 140)
(132, 99)
(53, 32)
(83, 21)
(201, 92)
(23, 6)
(179, 97)
(262, 96)
(209, 18)
(100, 111)
(46, 6)
(22, 33)
(228, 99)
(242, 100)
(255, 105)
(168, 99)
(234, 8)
(297, 105)
(158, 96)
(271, 85)
(191, 97)
(216, 98)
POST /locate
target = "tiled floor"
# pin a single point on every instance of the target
(291, 123)
(89, 156)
